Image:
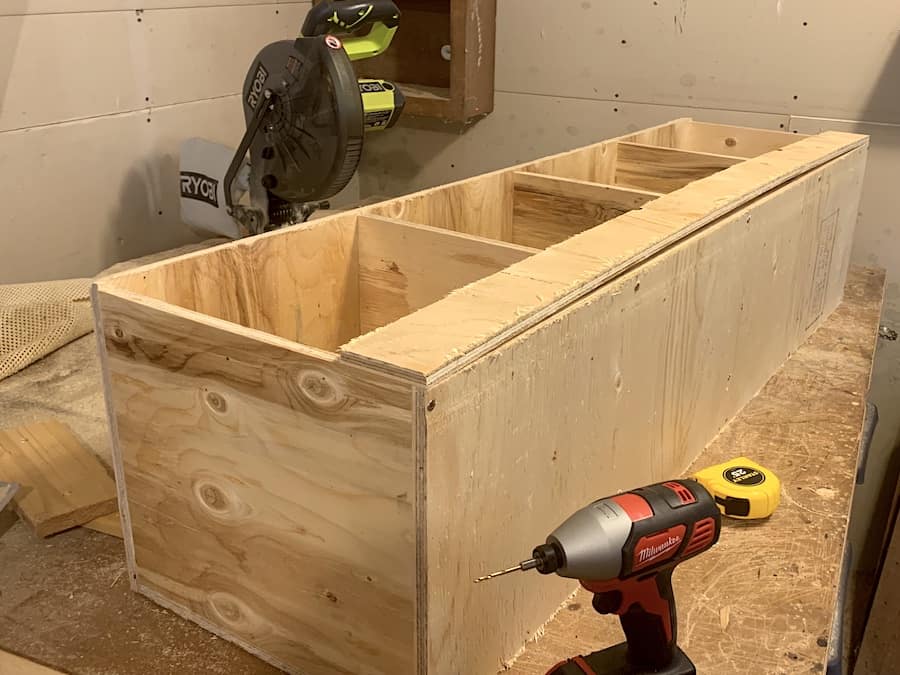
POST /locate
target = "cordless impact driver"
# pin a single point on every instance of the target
(623, 549)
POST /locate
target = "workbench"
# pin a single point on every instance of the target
(762, 600)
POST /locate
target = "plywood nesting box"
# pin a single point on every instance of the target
(323, 434)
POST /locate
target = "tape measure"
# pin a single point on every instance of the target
(742, 488)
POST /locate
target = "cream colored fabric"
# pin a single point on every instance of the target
(38, 318)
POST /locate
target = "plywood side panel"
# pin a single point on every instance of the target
(121, 61)
(404, 267)
(638, 377)
(251, 467)
(664, 169)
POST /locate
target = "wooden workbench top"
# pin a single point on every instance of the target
(762, 599)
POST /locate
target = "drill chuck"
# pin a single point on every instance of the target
(549, 558)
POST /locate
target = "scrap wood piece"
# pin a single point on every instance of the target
(63, 483)
(110, 524)
(11, 664)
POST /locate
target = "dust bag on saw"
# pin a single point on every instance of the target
(38, 318)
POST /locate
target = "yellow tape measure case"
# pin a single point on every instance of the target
(742, 488)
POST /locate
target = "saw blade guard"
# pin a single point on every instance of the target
(309, 144)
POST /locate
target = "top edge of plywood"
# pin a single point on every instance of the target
(439, 339)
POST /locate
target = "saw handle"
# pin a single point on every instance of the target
(347, 16)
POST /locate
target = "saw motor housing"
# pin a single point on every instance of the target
(306, 116)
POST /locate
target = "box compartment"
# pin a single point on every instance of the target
(328, 282)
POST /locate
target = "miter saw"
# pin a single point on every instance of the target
(306, 116)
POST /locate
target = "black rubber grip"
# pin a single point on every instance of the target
(347, 16)
(650, 647)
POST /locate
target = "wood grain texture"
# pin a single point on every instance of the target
(110, 524)
(63, 485)
(644, 372)
(482, 207)
(492, 311)
(665, 169)
(805, 426)
(550, 209)
(404, 267)
(668, 318)
(541, 220)
(303, 287)
(269, 488)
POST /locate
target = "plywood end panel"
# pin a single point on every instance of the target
(269, 488)
(637, 377)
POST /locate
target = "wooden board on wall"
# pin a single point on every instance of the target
(712, 361)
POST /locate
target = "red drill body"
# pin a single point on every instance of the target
(623, 549)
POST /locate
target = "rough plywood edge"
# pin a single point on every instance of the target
(420, 441)
(118, 466)
(201, 621)
(461, 357)
(539, 632)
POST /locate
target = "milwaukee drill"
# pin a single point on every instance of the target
(623, 550)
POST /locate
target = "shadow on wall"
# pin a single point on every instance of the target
(884, 100)
(148, 218)
(10, 31)
(396, 156)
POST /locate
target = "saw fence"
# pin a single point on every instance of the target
(323, 434)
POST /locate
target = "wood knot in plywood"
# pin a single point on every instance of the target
(320, 390)
(234, 613)
(219, 500)
(216, 402)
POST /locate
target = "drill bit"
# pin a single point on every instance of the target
(529, 564)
